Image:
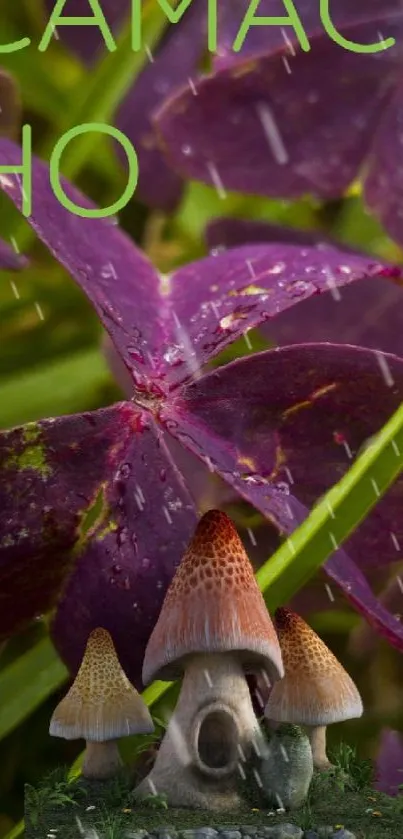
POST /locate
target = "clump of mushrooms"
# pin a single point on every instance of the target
(316, 690)
(213, 628)
(101, 707)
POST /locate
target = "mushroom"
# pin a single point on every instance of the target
(213, 628)
(101, 706)
(316, 690)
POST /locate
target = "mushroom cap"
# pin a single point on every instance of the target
(213, 605)
(101, 704)
(316, 690)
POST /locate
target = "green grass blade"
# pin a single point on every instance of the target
(336, 515)
(16, 831)
(27, 682)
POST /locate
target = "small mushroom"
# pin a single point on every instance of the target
(101, 706)
(316, 690)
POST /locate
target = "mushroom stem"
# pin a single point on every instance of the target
(101, 760)
(317, 739)
(212, 728)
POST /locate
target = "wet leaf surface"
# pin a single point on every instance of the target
(9, 259)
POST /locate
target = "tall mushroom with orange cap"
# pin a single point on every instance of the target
(316, 690)
(213, 628)
(101, 706)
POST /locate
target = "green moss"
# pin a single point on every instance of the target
(33, 455)
(367, 813)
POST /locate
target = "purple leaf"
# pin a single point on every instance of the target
(87, 41)
(219, 298)
(368, 314)
(259, 129)
(10, 106)
(265, 38)
(383, 189)
(389, 762)
(175, 61)
(9, 259)
(118, 279)
(123, 572)
(51, 472)
(292, 419)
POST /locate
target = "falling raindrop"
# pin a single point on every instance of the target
(272, 133)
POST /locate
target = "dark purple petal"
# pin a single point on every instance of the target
(123, 572)
(87, 41)
(9, 259)
(389, 762)
(256, 128)
(176, 60)
(10, 106)
(118, 279)
(268, 38)
(50, 474)
(293, 419)
(217, 299)
(367, 314)
(383, 189)
(230, 232)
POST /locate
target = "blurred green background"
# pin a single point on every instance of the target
(51, 363)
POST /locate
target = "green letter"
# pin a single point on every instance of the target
(174, 16)
(16, 45)
(25, 170)
(349, 45)
(292, 19)
(98, 19)
(55, 179)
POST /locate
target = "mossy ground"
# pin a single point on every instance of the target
(72, 810)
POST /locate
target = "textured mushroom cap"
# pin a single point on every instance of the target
(213, 605)
(316, 690)
(101, 703)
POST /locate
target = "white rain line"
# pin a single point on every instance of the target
(192, 86)
(375, 487)
(288, 43)
(214, 309)
(241, 752)
(330, 510)
(286, 64)
(14, 244)
(15, 289)
(258, 778)
(289, 475)
(291, 546)
(152, 786)
(385, 369)
(38, 308)
(241, 771)
(331, 283)
(382, 40)
(284, 752)
(56, 33)
(399, 582)
(348, 450)
(149, 54)
(395, 541)
(329, 593)
(395, 448)
(167, 515)
(217, 182)
(247, 340)
(208, 678)
(251, 268)
(333, 540)
(190, 355)
(272, 133)
(252, 536)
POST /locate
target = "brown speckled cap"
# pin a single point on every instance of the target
(101, 704)
(316, 690)
(213, 605)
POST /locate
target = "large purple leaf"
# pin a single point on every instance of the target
(383, 190)
(51, 472)
(269, 38)
(367, 314)
(259, 129)
(117, 277)
(219, 298)
(175, 61)
(389, 762)
(292, 419)
(87, 41)
(123, 572)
